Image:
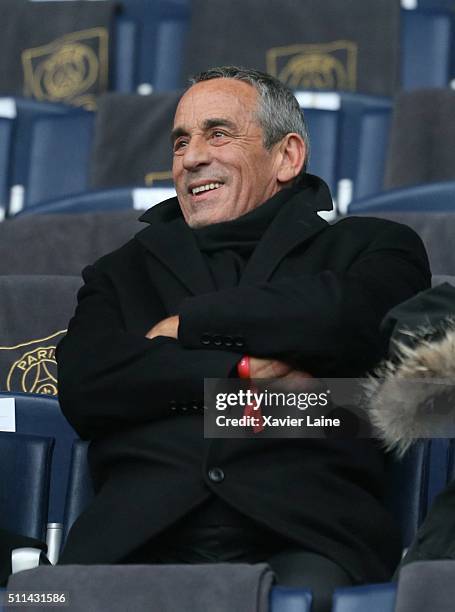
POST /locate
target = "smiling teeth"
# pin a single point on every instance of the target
(207, 187)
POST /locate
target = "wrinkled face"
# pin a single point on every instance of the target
(221, 168)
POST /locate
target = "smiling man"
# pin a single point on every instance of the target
(239, 264)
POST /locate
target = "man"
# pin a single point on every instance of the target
(239, 264)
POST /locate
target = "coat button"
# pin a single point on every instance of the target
(228, 341)
(217, 340)
(216, 474)
(206, 339)
(239, 341)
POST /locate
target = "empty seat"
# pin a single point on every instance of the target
(323, 129)
(371, 597)
(426, 46)
(364, 139)
(107, 200)
(25, 468)
(422, 138)
(55, 50)
(53, 158)
(149, 42)
(62, 244)
(434, 197)
(35, 313)
(341, 50)
(80, 487)
(39, 415)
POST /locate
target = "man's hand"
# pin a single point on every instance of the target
(273, 368)
(167, 327)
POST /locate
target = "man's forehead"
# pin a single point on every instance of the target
(227, 99)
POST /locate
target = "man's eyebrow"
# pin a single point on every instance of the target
(218, 122)
(176, 133)
(207, 125)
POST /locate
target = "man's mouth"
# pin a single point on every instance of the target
(205, 187)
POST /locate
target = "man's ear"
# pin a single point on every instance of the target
(293, 153)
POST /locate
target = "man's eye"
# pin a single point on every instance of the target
(218, 134)
(180, 144)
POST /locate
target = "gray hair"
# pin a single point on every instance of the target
(279, 112)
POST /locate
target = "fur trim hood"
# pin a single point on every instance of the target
(412, 395)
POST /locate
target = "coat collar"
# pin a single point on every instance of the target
(169, 239)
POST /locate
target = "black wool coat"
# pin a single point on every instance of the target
(312, 293)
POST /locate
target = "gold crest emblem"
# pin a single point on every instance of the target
(34, 370)
(66, 69)
(323, 66)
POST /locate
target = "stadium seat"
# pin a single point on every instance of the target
(426, 46)
(365, 124)
(372, 597)
(433, 197)
(53, 158)
(41, 416)
(122, 198)
(53, 244)
(149, 40)
(23, 112)
(35, 313)
(324, 133)
(7, 113)
(80, 488)
(349, 137)
(407, 488)
(25, 468)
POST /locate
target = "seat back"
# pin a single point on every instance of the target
(117, 199)
(25, 469)
(426, 47)
(149, 41)
(80, 487)
(323, 128)
(407, 488)
(41, 415)
(62, 245)
(365, 125)
(54, 158)
(371, 597)
(422, 138)
(7, 114)
(434, 197)
(35, 313)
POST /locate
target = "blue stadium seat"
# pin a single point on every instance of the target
(7, 116)
(432, 197)
(25, 468)
(371, 598)
(41, 415)
(426, 40)
(408, 487)
(122, 198)
(149, 41)
(80, 488)
(52, 157)
(349, 137)
(365, 124)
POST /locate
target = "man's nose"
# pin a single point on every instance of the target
(197, 153)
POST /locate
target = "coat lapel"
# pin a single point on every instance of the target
(297, 222)
(176, 248)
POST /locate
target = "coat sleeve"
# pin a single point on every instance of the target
(110, 378)
(326, 323)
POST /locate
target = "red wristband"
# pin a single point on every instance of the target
(243, 367)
